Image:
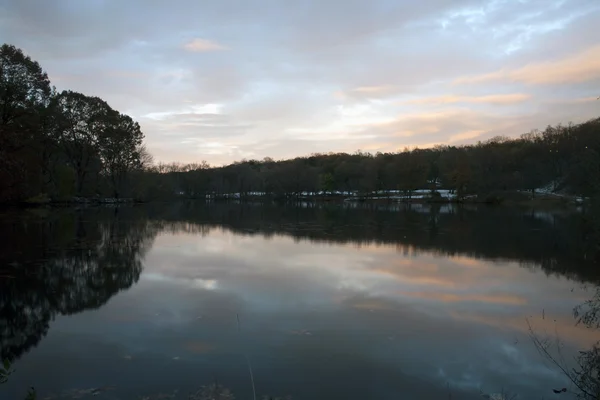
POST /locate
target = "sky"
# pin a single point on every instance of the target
(245, 79)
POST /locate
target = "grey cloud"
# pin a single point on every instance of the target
(283, 107)
(196, 130)
(284, 63)
(512, 25)
(578, 36)
(71, 30)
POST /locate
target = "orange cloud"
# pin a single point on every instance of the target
(365, 92)
(202, 45)
(480, 298)
(434, 127)
(490, 99)
(466, 135)
(468, 262)
(581, 67)
(579, 100)
(415, 124)
(419, 280)
(563, 325)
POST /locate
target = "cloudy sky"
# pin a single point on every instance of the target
(231, 79)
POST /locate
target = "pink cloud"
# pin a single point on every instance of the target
(489, 99)
(578, 68)
(202, 45)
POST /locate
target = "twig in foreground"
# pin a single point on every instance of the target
(247, 359)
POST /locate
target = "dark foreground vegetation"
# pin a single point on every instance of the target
(66, 146)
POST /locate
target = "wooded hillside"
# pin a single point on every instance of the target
(60, 145)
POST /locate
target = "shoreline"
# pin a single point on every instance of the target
(499, 198)
(551, 201)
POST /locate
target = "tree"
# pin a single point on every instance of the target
(121, 151)
(459, 173)
(60, 143)
(411, 172)
(326, 182)
(584, 175)
(24, 95)
(65, 144)
(82, 123)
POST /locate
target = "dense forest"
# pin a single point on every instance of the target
(62, 145)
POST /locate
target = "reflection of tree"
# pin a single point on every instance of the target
(588, 375)
(585, 375)
(69, 261)
(557, 243)
(588, 313)
(64, 264)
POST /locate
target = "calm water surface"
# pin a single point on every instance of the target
(324, 302)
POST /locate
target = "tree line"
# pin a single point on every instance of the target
(61, 145)
(563, 158)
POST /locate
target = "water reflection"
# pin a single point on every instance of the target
(63, 263)
(586, 376)
(557, 241)
(334, 302)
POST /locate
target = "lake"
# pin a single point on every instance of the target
(308, 301)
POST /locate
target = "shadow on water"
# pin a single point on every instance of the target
(65, 261)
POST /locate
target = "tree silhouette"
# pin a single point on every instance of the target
(62, 267)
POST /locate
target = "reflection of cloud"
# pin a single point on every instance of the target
(198, 347)
(470, 297)
(423, 279)
(207, 284)
(440, 273)
(328, 275)
(456, 319)
(371, 304)
(549, 326)
(468, 262)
